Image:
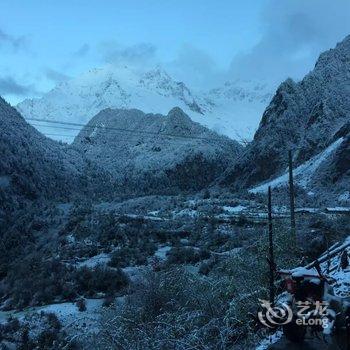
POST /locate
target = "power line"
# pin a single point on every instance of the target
(59, 135)
(142, 132)
(54, 126)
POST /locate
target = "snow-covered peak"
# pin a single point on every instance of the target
(244, 90)
(233, 110)
(335, 58)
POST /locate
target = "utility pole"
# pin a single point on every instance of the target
(291, 194)
(271, 258)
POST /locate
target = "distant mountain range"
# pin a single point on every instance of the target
(123, 136)
(157, 154)
(233, 109)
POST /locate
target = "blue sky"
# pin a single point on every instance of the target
(200, 42)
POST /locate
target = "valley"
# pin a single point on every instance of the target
(148, 228)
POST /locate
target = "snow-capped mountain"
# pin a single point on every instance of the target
(233, 110)
(156, 152)
(307, 117)
(162, 153)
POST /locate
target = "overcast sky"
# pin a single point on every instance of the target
(201, 42)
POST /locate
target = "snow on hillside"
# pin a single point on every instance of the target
(305, 117)
(302, 174)
(191, 160)
(237, 107)
(341, 277)
(233, 110)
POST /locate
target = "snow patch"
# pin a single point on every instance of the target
(272, 339)
(162, 252)
(100, 259)
(236, 209)
(344, 197)
(303, 173)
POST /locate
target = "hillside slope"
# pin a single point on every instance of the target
(34, 167)
(306, 117)
(147, 152)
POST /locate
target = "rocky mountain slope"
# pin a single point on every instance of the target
(30, 163)
(33, 166)
(306, 117)
(118, 152)
(152, 152)
(233, 109)
(334, 173)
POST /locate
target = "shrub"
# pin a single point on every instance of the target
(100, 279)
(35, 280)
(172, 310)
(36, 331)
(127, 256)
(81, 305)
(186, 255)
(108, 301)
(133, 256)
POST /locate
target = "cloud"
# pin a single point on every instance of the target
(16, 43)
(294, 33)
(191, 65)
(55, 76)
(140, 54)
(82, 51)
(10, 86)
(195, 67)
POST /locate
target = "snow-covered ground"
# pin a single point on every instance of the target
(162, 252)
(272, 339)
(76, 321)
(186, 213)
(303, 173)
(236, 209)
(100, 259)
(72, 319)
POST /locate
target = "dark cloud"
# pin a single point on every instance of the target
(55, 76)
(82, 51)
(16, 43)
(139, 54)
(294, 33)
(10, 86)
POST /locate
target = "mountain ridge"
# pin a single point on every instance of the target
(155, 151)
(233, 109)
(305, 117)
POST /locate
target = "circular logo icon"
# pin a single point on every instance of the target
(272, 316)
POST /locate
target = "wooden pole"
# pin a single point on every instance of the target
(271, 253)
(291, 194)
